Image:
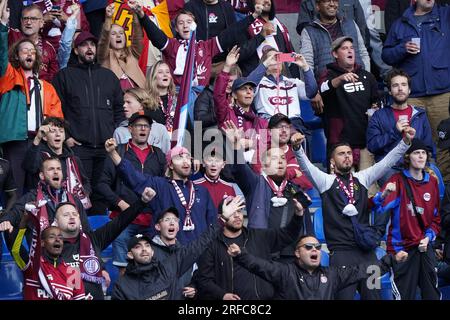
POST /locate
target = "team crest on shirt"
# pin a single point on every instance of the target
(426, 196)
(91, 266)
(323, 278)
(213, 18)
(200, 53)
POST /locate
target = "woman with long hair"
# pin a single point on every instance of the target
(114, 54)
(163, 97)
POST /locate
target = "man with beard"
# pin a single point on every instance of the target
(25, 99)
(192, 201)
(92, 103)
(387, 124)
(418, 43)
(59, 281)
(32, 22)
(411, 198)
(50, 190)
(49, 143)
(348, 92)
(220, 278)
(82, 249)
(304, 279)
(345, 207)
(152, 276)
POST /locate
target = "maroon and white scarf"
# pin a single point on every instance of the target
(349, 209)
(90, 267)
(243, 115)
(279, 200)
(169, 111)
(188, 224)
(74, 184)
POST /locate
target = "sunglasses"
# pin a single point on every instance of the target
(310, 246)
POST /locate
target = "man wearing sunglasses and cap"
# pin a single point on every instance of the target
(305, 279)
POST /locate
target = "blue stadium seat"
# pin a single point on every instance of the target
(325, 260)
(11, 277)
(445, 292)
(318, 225)
(312, 122)
(315, 197)
(318, 147)
(97, 221)
(386, 287)
(440, 179)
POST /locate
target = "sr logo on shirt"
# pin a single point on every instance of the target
(353, 87)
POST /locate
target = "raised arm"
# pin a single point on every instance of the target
(321, 180)
(273, 272)
(106, 234)
(375, 172)
(133, 178)
(156, 36)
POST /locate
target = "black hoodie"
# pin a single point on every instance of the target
(92, 102)
(159, 280)
(349, 102)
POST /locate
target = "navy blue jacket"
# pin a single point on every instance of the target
(203, 211)
(430, 69)
(383, 136)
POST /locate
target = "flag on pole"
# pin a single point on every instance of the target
(185, 100)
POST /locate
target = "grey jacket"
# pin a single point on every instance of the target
(316, 45)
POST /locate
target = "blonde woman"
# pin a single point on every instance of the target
(163, 98)
(114, 54)
(138, 100)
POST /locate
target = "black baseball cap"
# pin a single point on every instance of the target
(138, 115)
(135, 240)
(417, 144)
(240, 82)
(276, 119)
(443, 130)
(169, 210)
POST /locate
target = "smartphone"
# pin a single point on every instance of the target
(56, 8)
(403, 118)
(303, 199)
(285, 57)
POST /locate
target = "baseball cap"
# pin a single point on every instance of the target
(337, 43)
(138, 115)
(276, 119)
(84, 36)
(135, 240)
(240, 82)
(417, 144)
(443, 130)
(172, 210)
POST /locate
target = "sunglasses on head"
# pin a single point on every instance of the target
(310, 246)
